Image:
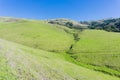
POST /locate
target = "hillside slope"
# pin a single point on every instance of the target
(23, 63)
(99, 49)
(37, 34)
(94, 49)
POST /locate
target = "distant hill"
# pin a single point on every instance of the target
(112, 24)
(69, 23)
(9, 19)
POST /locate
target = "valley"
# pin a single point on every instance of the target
(38, 50)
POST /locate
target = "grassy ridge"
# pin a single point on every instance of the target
(99, 49)
(26, 63)
(37, 34)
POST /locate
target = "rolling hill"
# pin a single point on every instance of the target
(37, 50)
(37, 34)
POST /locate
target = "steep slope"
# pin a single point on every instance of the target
(37, 34)
(23, 63)
(100, 49)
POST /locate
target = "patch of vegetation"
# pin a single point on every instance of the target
(76, 39)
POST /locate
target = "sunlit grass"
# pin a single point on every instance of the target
(37, 34)
(100, 49)
(27, 63)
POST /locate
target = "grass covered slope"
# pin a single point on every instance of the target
(100, 49)
(23, 63)
(37, 34)
(98, 41)
(94, 49)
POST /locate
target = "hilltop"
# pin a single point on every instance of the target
(69, 23)
(111, 25)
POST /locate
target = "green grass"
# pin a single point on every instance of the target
(44, 58)
(99, 49)
(24, 63)
(98, 41)
(5, 71)
(37, 34)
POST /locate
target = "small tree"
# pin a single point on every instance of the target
(69, 24)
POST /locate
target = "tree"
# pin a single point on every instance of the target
(69, 24)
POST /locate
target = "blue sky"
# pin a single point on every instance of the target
(50, 9)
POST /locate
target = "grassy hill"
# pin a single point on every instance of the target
(99, 41)
(37, 34)
(19, 62)
(100, 49)
(43, 56)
